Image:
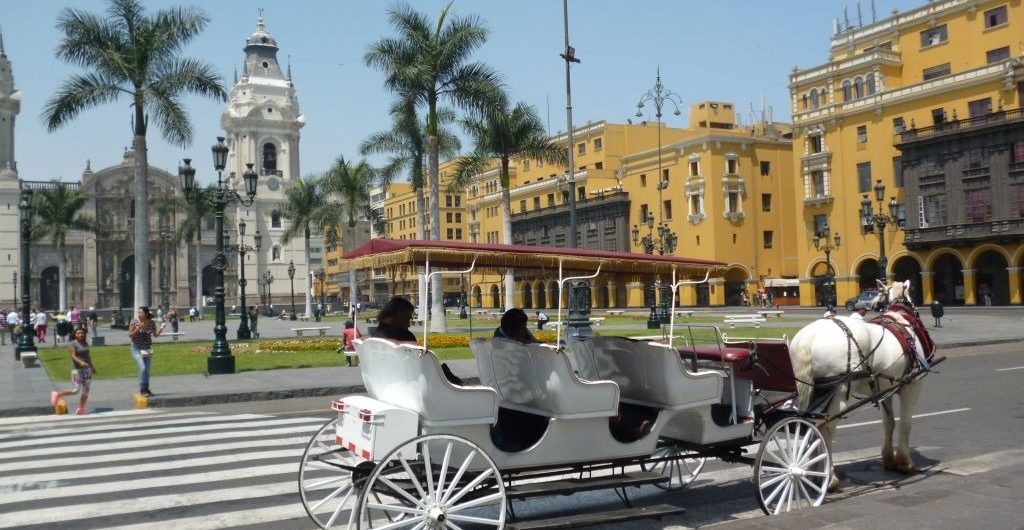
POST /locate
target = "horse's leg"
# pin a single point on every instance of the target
(908, 401)
(888, 425)
(828, 431)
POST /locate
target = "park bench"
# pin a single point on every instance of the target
(173, 336)
(770, 312)
(299, 331)
(684, 313)
(303, 317)
(612, 312)
(754, 319)
(596, 320)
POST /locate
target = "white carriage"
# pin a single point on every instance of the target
(602, 412)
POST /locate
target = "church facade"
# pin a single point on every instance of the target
(261, 125)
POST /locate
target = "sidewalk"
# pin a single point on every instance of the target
(26, 391)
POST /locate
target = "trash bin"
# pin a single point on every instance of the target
(937, 312)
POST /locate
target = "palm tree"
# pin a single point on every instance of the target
(429, 63)
(406, 143)
(347, 188)
(58, 211)
(197, 208)
(303, 208)
(505, 134)
(128, 53)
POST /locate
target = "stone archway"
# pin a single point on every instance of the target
(601, 290)
(991, 276)
(126, 282)
(824, 284)
(542, 296)
(869, 274)
(478, 296)
(49, 288)
(553, 296)
(735, 285)
(907, 268)
(948, 280)
(495, 296)
(527, 295)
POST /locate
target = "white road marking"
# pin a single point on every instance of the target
(1008, 369)
(925, 415)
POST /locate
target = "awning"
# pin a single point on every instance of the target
(782, 282)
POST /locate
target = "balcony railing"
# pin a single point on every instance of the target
(264, 172)
(962, 233)
(860, 61)
(954, 126)
(593, 200)
(49, 184)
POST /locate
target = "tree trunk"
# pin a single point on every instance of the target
(309, 282)
(421, 277)
(62, 289)
(142, 284)
(200, 299)
(437, 323)
(506, 226)
(352, 296)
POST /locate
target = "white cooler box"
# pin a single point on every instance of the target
(370, 428)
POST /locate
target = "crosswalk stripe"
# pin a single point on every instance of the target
(239, 519)
(143, 443)
(79, 440)
(43, 432)
(114, 415)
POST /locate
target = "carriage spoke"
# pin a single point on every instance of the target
(480, 501)
(817, 490)
(775, 489)
(814, 460)
(400, 523)
(412, 476)
(333, 494)
(449, 524)
(443, 472)
(401, 492)
(478, 520)
(469, 487)
(341, 505)
(325, 482)
(784, 490)
(427, 471)
(458, 476)
(773, 480)
(820, 474)
(399, 508)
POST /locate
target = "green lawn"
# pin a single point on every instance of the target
(114, 362)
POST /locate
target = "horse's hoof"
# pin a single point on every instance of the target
(905, 465)
(889, 462)
(833, 484)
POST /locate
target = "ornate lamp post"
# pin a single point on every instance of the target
(25, 342)
(321, 275)
(830, 276)
(265, 280)
(165, 237)
(220, 360)
(291, 277)
(879, 221)
(243, 326)
(666, 241)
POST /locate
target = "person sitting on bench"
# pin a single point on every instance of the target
(514, 326)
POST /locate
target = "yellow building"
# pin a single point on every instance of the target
(926, 103)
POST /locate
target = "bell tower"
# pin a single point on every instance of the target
(10, 188)
(262, 123)
(10, 105)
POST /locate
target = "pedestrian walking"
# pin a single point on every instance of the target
(172, 315)
(3, 327)
(75, 317)
(254, 315)
(40, 324)
(93, 320)
(82, 371)
(13, 321)
(542, 319)
(348, 338)
(141, 331)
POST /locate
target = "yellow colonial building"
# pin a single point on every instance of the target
(916, 117)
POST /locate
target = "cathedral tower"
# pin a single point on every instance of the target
(10, 105)
(262, 124)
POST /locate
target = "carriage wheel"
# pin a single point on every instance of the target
(447, 482)
(680, 469)
(326, 488)
(793, 467)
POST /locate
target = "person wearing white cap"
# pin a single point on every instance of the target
(859, 310)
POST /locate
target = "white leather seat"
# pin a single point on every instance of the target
(407, 376)
(539, 379)
(647, 373)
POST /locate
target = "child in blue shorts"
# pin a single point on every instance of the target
(82, 371)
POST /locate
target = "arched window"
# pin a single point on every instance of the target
(814, 98)
(805, 101)
(847, 90)
(275, 220)
(858, 87)
(870, 84)
(275, 253)
(269, 156)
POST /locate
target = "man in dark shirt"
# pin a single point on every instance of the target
(394, 319)
(513, 326)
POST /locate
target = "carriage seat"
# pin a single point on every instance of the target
(408, 376)
(538, 379)
(771, 368)
(726, 354)
(648, 373)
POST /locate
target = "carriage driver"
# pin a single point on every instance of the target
(859, 310)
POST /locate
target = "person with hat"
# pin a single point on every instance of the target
(859, 310)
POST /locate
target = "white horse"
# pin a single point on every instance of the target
(872, 353)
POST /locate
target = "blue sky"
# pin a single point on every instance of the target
(730, 50)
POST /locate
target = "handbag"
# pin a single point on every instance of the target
(146, 353)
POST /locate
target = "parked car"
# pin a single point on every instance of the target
(867, 295)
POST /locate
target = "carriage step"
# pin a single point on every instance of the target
(574, 485)
(589, 519)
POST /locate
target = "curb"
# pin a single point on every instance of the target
(971, 343)
(27, 411)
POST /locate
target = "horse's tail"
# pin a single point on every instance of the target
(802, 370)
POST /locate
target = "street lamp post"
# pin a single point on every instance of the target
(220, 360)
(879, 221)
(243, 326)
(321, 275)
(266, 279)
(25, 342)
(830, 277)
(666, 240)
(291, 277)
(165, 237)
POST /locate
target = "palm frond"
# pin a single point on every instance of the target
(76, 94)
(169, 115)
(188, 75)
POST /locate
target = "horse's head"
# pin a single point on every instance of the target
(897, 293)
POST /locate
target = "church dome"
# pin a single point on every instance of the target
(260, 37)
